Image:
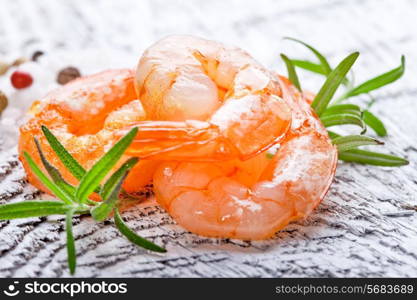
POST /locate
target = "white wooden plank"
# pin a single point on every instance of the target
(367, 224)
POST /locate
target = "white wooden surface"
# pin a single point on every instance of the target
(367, 224)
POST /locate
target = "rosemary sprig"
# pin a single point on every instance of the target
(343, 109)
(374, 122)
(372, 158)
(309, 66)
(91, 180)
(66, 158)
(324, 68)
(343, 119)
(133, 237)
(74, 200)
(111, 190)
(37, 208)
(333, 80)
(54, 188)
(71, 252)
(375, 83)
(349, 142)
(332, 113)
(292, 74)
(351, 154)
(54, 173)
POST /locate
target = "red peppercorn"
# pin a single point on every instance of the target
(21, 80)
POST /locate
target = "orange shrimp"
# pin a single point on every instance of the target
(256, 198)
(199, 102)
(83, 115)
(207, 101)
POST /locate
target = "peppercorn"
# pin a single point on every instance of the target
(21, 80)
(37, 54)
(3, 102)
(17, 62)
(3, 68)
(67, 74)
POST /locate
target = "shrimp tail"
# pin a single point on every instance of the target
(242, 127)
(191, 140)
(223, 138)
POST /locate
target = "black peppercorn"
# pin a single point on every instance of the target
(36, 55)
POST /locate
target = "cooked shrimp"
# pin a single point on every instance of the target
(253, 199)
(207, 101)
(199, 101)
(84, 115)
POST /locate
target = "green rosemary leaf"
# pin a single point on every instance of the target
(376, 82)
(47, 182)
(333, 135)
(315, 68)
(372, 158)
(343, 109)
(323, 61)
(71, 255)
(91, 180)
(349, 142)
(292, 74)
(67, 159)
(35, 208)
(112, 182)
(132, 236)
(342, 119)
(374, 122)
(54, 173)
(332, 82)
(111, 190)
(309, 66)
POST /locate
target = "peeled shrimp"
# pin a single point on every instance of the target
(84, 114)
(255, 198)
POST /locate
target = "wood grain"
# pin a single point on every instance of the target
(367, 224)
